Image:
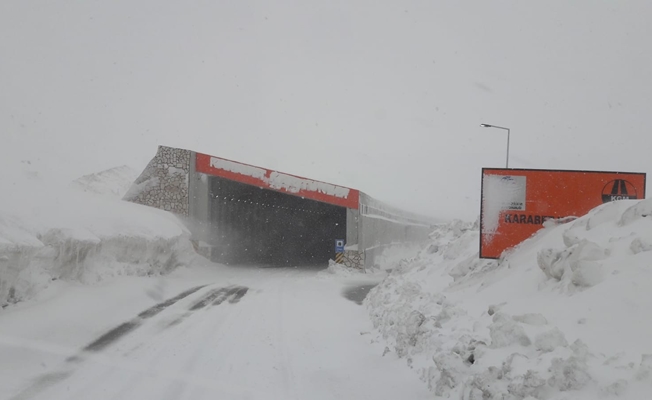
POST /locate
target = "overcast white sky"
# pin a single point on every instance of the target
(383, 96)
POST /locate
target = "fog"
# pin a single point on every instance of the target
(381, 96)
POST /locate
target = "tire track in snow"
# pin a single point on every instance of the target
(210, 297)
(215, 329)
(218, 334)
(45, 381)
(206, 300)
(214, 298)
(238, 295)
(218, 296)
(121, 330)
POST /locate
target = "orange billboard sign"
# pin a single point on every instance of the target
(516, 202)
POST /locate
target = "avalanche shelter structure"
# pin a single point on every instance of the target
(242, 214)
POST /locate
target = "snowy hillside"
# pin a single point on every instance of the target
(48, 232)
(563, 316)
(114, 182)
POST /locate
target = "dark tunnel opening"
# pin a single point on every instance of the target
(252, 225)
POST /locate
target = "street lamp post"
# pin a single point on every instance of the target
(506, 129)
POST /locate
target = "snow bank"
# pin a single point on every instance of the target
(563, 316)
(392, 256)
(342, 271)
(114, 182)
(49, 232)
(338, 270)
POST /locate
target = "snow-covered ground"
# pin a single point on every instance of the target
(563, 316)
(203, 332)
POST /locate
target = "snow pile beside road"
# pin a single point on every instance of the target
(114, 182)
(391, 256)
(48, 232)
(339, 270)
(563, 316)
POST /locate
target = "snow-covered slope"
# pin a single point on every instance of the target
(563, 316)
(49, 232)
(114, 182)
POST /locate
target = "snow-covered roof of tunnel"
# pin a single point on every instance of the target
(278, 181)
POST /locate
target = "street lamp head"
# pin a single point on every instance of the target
(507, 129)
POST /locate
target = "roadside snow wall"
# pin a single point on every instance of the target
(49, 233)
(565, 315)
(114, 182)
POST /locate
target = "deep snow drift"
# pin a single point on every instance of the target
(113, 182)
(49, 232)
(563, 316)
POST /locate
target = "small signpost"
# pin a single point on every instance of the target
(339, 251)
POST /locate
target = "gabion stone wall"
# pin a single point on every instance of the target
(164, 182)
(353, 259)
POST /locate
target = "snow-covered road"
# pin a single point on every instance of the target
(206, 333)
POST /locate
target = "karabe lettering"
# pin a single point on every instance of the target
(527, 219)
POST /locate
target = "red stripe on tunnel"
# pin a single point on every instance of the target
(274, 180)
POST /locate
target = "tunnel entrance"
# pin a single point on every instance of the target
(253, 225)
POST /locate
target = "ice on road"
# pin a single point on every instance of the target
(228, 333)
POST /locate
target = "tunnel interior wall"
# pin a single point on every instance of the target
(253, 225)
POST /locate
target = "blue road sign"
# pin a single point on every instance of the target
(339, 245)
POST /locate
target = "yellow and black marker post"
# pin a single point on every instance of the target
(339, 251)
